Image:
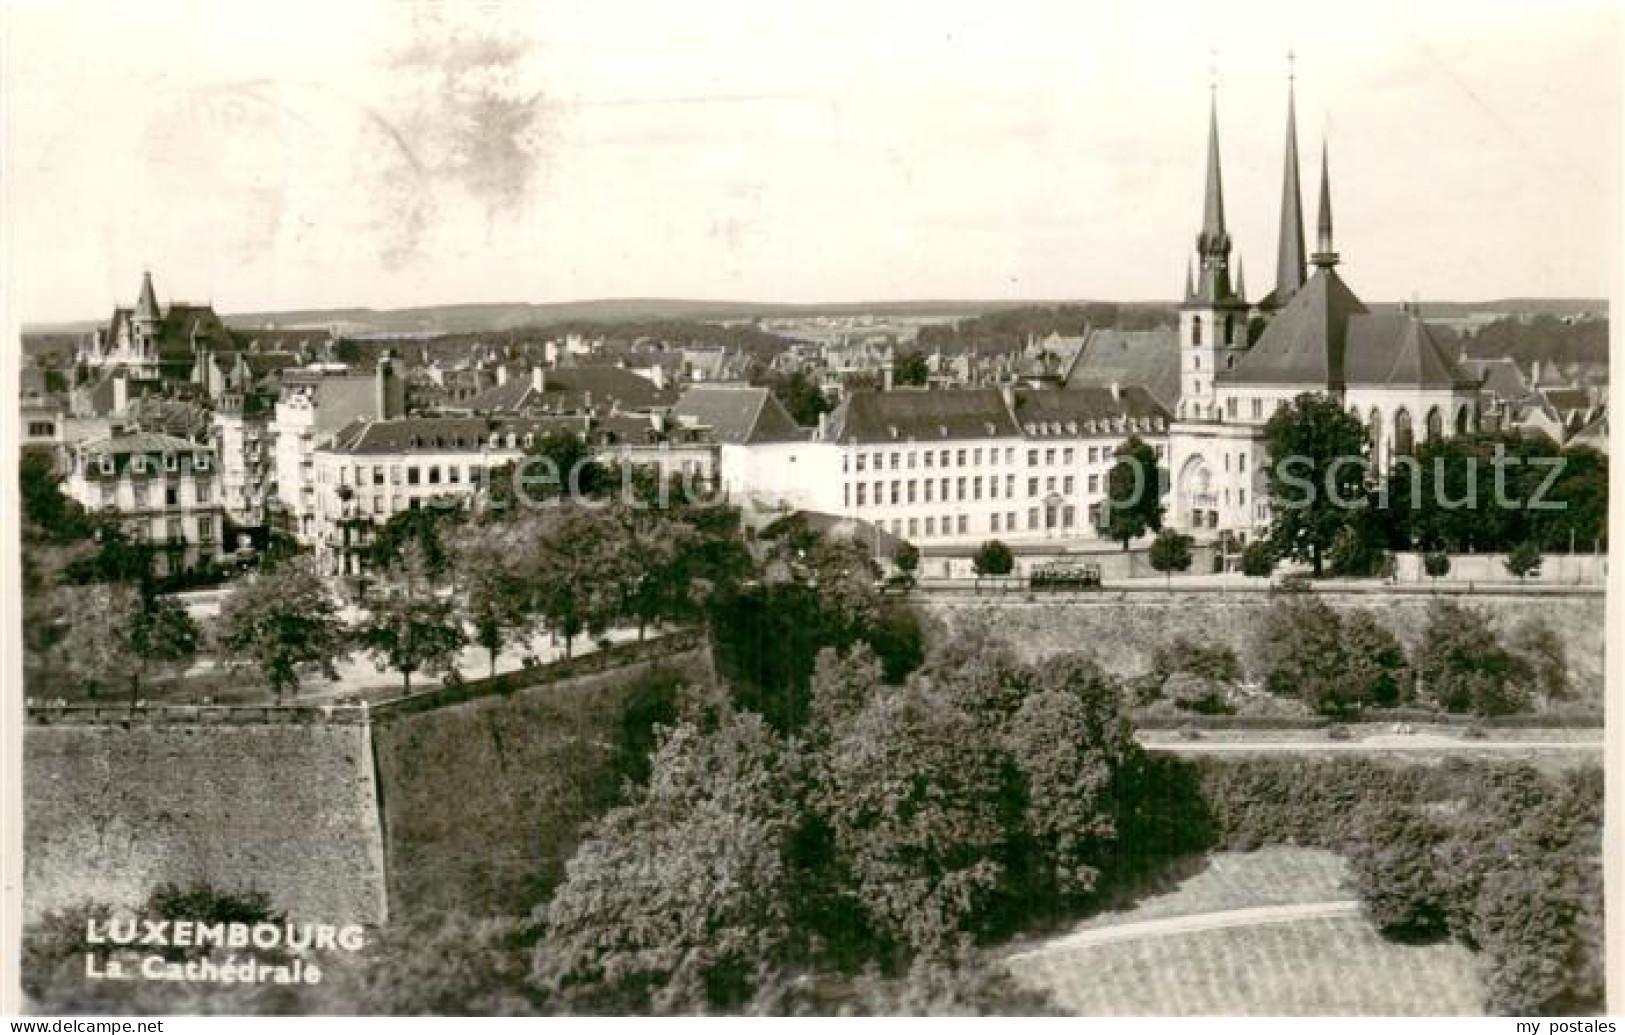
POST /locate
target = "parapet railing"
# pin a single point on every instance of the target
(59, 713)
(617, 656)
(48, 713)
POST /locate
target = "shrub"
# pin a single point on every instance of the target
(1436, 564)
(993, 558)
(1524, 560)
(1194, 693)
(1333, 664)
(1216, 662)
(1392, 857)
(1258, 559)
(1465, 668)
(1541, 649)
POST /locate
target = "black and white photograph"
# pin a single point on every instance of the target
(536, 508)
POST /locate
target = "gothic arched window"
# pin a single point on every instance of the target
(1435, 425)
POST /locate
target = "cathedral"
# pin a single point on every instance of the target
(1240, 361)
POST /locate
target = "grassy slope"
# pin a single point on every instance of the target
(1319, 965)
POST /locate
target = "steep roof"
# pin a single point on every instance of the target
(1074, 411)
(441, 434)
(1397, 350)
(1304, 344)
(737, 414)
(1500, 377)
(140, 442)
(1148, 359)
(870, 416)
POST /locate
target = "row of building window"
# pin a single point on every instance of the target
(175, 531)
(897, 492)
(140, 464)
(971, 457)
(1038, 519)
(201, 494)
(402, 474)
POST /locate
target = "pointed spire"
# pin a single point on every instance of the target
(1325, 254)
(1213, 242)
(1289, 266)
(1213, 204)
(146, 306)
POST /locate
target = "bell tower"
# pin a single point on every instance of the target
(1213, 317)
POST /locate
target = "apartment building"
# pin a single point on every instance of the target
(164, 490)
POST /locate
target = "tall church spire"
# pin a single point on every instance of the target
(1213, 242)
(1289, 267)
(1325, 255)
(146, 306)
(1213, 202)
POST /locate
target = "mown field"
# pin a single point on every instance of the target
(1300, 949)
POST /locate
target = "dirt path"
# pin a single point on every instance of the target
(1385, 742)
(1250, 917)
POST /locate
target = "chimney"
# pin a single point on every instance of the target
(1007, 391)
(388, 398)
(1117, 392)
(538, 379)
(502, 374)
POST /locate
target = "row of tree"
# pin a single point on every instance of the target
(1341, 662)
(1488, 493)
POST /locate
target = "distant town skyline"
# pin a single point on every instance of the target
(391, 155)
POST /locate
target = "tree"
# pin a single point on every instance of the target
(283, 621)
(1068, 741)
(1541, 649)
(1334, 665)
(1171, 552)
(1258, 559)
(922, 844)
(1393, 858)
(55, 946)
(907, 558)
(1464, 667)
(680, 900)
(1194, 693)
(1524, 560)
(1436, 563)
(412, 630)
(993, 558)
(1316, 476)
(450, 964)
(1134, 488)
(580, 567)
(48, 514)
(912, 368)
(117, 632)
(418, 526)
(801, 396)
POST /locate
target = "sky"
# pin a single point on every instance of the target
(386, 154)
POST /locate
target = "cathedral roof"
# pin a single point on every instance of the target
(1304, 343)
(1326, 338)
(1397, 350)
